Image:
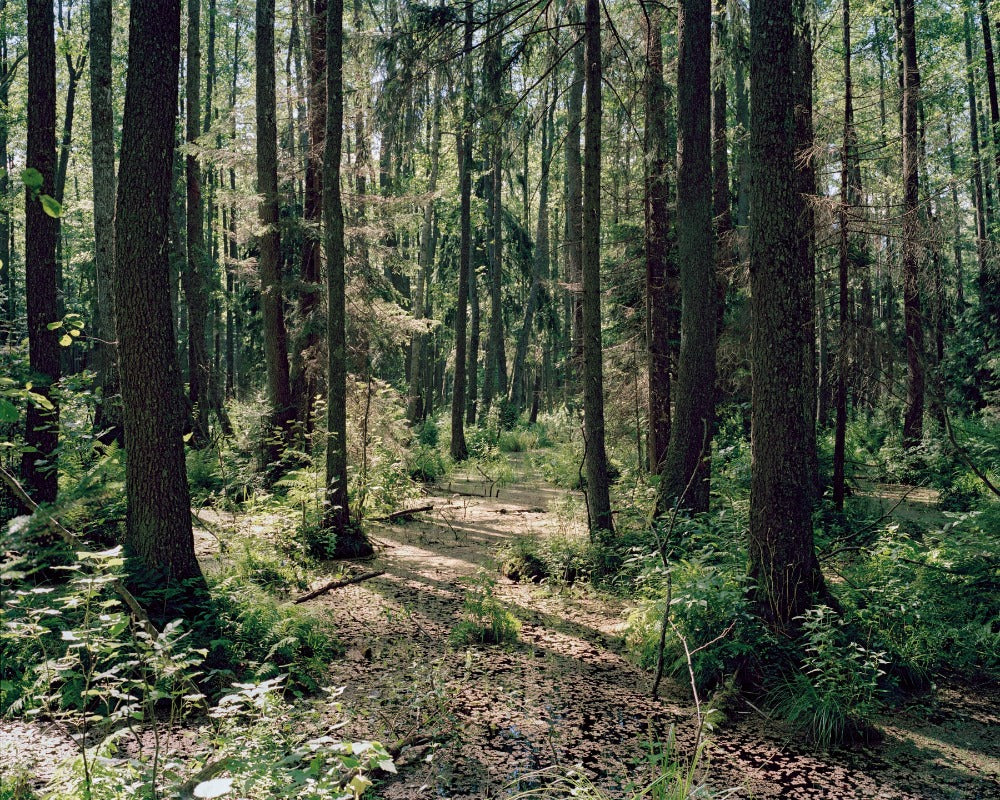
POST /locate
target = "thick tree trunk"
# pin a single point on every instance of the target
(913, 418)
(598, 482)
(158, 531)
(657, 200)
(108, 418)
(39, 464)
(351, 541)
(687, 466)
(459, 450)
(305, 370)
(269, 260)
(784, 570)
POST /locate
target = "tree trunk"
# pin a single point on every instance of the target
(158, 530)
(415, 410)
(989, 279)
(351, 541)
(574, 201)
(982, 243)
(108, 417)
(305, 355)
(783, 568)
(539, 264)
(657, 227)
(6, 273)
(806, 187)
(687, 466)
(39, 464)
(269, 260)
(475, 330)
(913, 418)
(459, 450)
(193, 276)
(598, 488)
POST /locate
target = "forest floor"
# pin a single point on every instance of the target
(481, 721)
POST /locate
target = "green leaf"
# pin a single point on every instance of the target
(8, 411)
(51, 206)
(32, 178)
(65, 340)
(54, 325)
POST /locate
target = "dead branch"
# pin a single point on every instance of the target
(339, 584)
(403, 513)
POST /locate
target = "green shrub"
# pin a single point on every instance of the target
(836, 692)
(425, 463)
(265, 638)
(485, 620)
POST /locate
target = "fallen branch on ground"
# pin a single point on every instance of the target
(339, 584)
(403, 513)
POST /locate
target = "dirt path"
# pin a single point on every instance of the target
(566, 695)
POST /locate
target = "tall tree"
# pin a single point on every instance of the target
(304, 351)
(989, 278)
(415, 408)
(913, 417)
(657, 199)
(574, 196)
(687, 466)
(806, 187)
(39, 464)
(158, 523)
(459, 449)
(6, 273)
(351, 541)
(539, 263)
(982, 241)
(269, 260)
(193, 276)
(783, 566)
(107, 419)
(598, 481)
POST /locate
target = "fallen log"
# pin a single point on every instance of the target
(403, 513)
(339, 584)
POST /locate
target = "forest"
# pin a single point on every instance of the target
(499, 399)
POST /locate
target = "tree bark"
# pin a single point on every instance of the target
(598, 482)
(687, 466)
(574, 199)
(193, 275)
(657, 228)
(783, 568)
(108, 417)
(304, 369)
(6, 273)
(415, 409)
(158, 523)
(351, 541)
(459, 450)
(913, 417)
(539, 264)
(272, 303)
(39, 464)
(982, 243)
